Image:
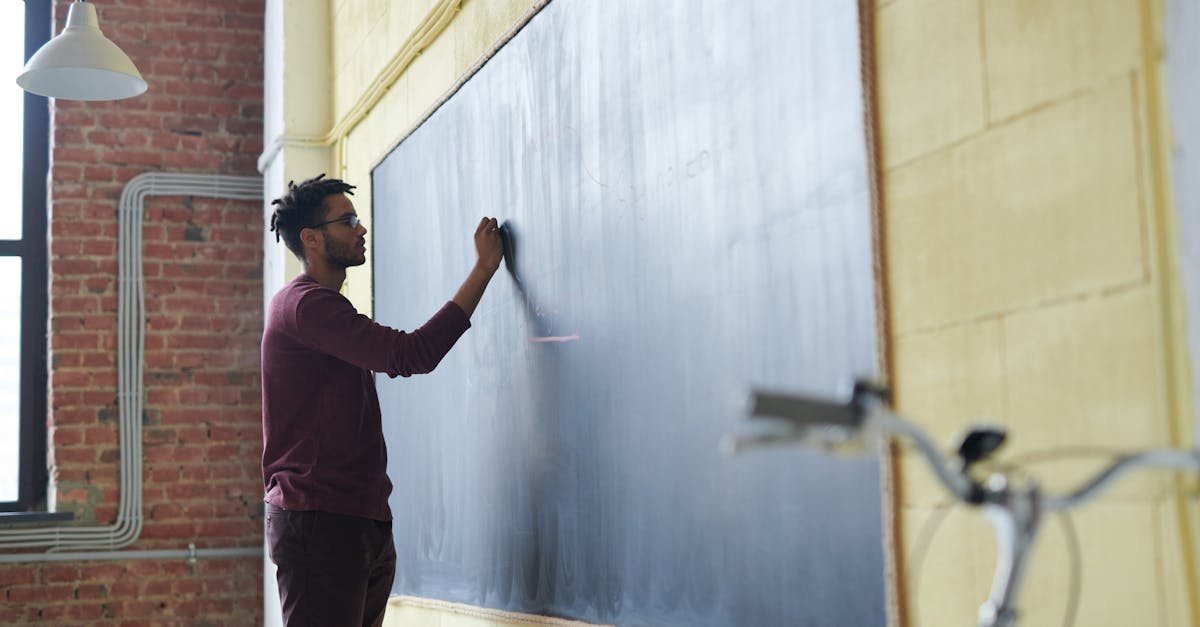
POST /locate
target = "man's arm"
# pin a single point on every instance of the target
(490, 253)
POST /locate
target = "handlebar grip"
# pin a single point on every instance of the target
(806, 411)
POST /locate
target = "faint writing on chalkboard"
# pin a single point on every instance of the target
(546, 321)
(634, 199)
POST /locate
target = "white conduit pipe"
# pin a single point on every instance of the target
(131, 323)
(190, 554)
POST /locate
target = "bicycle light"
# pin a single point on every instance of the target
(979, 444)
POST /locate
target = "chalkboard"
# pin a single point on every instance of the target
(685, 184)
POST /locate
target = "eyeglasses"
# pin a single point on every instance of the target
(351, 221)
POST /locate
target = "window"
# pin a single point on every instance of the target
(24, 142)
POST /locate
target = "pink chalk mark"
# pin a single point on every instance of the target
(555, 338)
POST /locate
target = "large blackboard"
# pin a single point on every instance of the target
(686, 186)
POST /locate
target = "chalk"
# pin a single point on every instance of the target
(554, 338)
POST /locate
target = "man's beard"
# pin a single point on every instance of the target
(342, 255)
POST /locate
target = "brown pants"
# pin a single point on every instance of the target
(334, 570)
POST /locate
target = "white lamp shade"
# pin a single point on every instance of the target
(81, 63)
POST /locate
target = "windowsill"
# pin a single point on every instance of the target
(21, 518)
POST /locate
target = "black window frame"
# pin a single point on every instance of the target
(32, 249)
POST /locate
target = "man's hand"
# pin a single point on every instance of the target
(488, 245)
(490, 249)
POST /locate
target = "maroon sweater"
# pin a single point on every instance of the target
(323, 445)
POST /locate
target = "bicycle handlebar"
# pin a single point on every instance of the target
(1155, 458)
(830, 424)
(1015, 512)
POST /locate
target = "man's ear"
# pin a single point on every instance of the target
(310, 238)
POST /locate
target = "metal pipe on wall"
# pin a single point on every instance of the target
(80, 542)
(190, 554)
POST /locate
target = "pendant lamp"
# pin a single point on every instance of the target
(81, 63)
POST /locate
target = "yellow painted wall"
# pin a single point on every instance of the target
(1028, 245)
(392, 63)
(410, 611)
(1029, 248)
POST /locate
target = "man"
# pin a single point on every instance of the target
(328, 523)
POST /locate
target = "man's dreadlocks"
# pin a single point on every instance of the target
(301, 207)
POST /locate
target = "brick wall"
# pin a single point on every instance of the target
(203, 260)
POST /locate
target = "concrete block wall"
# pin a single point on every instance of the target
(1031, 282)
(203, 270)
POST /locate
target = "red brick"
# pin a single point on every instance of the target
(201, 511)
(193, 490)
(196, 473)
(101, 435)
(158, 588)
(62, 397)
(125, 588)
(130, 608)
(76, 304)
(73, 416)
(88, 612)
(100, 397)
(59, 573)
(63, 287)
(103, 247)
(63, 378)
(157, 529)
(89, 591)
(63, 228)
(66, 436)
(76, 155)
(226, 528)
(103, 323)
(16, 575)
(40, 594)
(53, 613)
(163, 475)
(73, 341)
(185, 341)
(105, 514)
(101, 136)
(98, 285)
(65, 247)
(102, 571)
(229, 472)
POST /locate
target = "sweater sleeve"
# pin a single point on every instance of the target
(327, 322)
